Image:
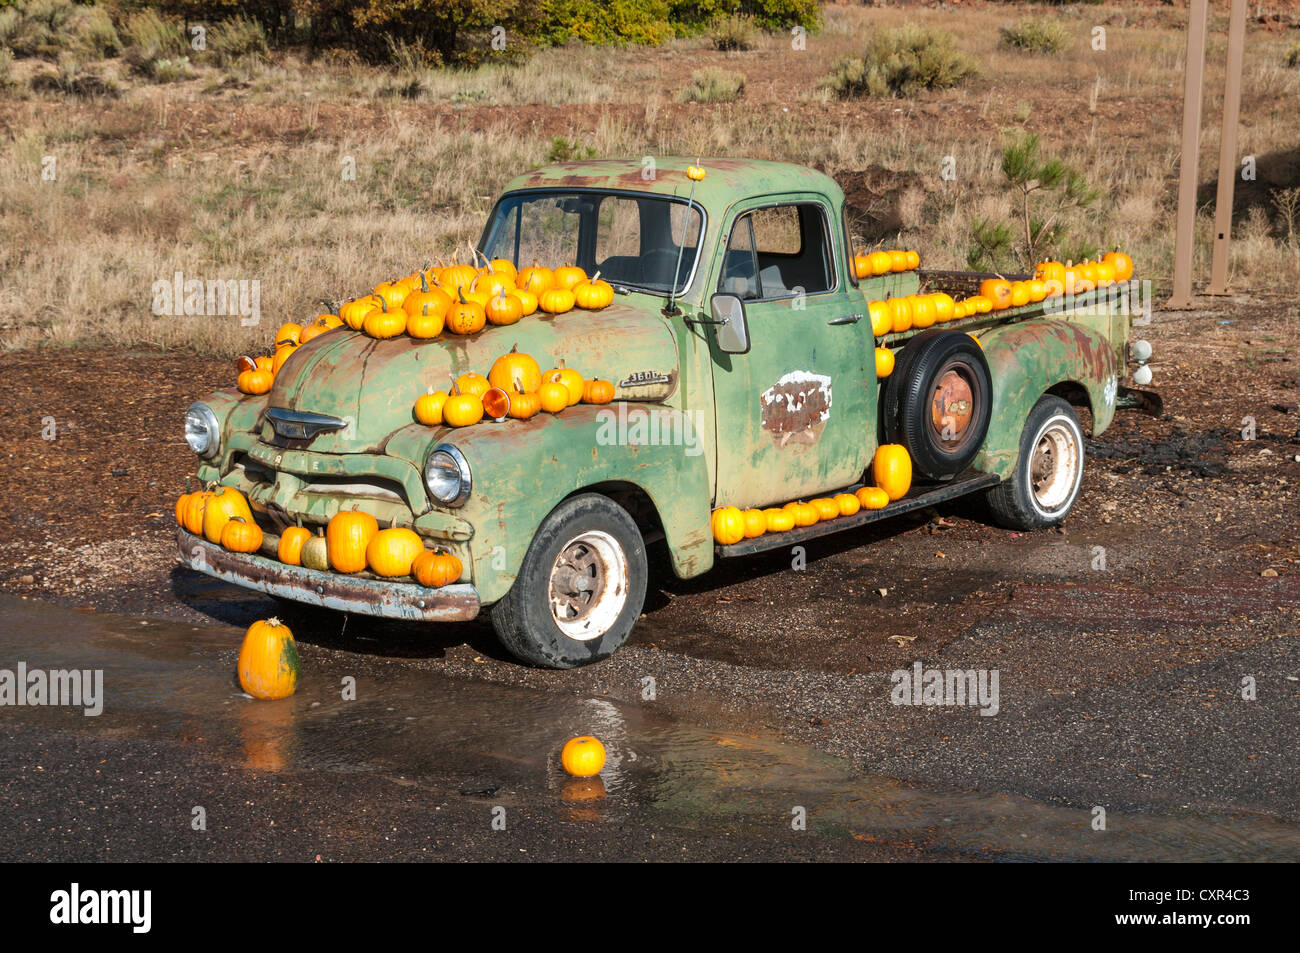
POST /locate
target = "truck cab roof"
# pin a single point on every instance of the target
(726, 180)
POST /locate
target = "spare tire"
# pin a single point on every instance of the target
(938, 401)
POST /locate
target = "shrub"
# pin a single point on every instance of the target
(564, 150)
(157, 48)
(236, 38)
(734, 33)
(901, 62)
(1037, 35)
(49, 27)
(713, 85)
(1293, 56)
(6, 64)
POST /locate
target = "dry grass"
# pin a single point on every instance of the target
(237, 173)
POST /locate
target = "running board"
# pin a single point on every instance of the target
(971, 481)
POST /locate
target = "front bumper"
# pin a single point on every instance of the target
(360, 594)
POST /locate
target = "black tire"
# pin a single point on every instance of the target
(938, 401)
(1052, 438)
(594, 532)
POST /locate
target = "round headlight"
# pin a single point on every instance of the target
(202, 432)
(446, 474)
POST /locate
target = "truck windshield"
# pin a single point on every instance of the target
(631, 238)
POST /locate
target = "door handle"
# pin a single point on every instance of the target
(846, 319)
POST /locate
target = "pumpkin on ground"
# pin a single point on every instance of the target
(347, 535)
(892, 470)
(268, 660)
(583, 757)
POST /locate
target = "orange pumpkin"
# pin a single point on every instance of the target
(347, 535)
(290, 546)
(568, 277)
(872, 498)
(755, 524)
(898, 261)
(504, 309)
(553, 397)
(827, 509)
(436, 570)
(557, 301)
(997, 291)
(384, 323)
(1121, 263)
(268, 664)
(425, 325)
(466, 317)
(594, 294)
(527, 301)
(570, 378)
(913, 260)
(516, 373)
(728, 525)
(223, 504)
(536, 279)
(428, 408)
(255, 381)
(597, 392)
(900, 314)
(892, 470)
(881, 262)
(288, 333)
(472, 382)
(462, 410)
(881, 319)
(848, 503)
(923, 314)
(778, 520)
(884, 362)
(391, 551)
(241, 536)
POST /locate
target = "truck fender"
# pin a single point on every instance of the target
(1029, 358)
(523, 469)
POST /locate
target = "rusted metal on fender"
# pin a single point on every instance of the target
(522, 469)
(1029, 358)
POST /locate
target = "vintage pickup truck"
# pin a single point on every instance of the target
(745, 375)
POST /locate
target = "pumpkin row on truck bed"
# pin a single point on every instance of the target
(916, 311)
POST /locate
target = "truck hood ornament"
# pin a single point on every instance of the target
(299, 425)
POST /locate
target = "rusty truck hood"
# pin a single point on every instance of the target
(372, 384)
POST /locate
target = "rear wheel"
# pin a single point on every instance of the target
(1045, 483)
(937, 402)
(580, 588)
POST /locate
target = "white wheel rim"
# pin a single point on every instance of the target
(588, 585)
(1055, 466)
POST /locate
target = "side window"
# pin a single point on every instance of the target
(739, 264)
(778, 252)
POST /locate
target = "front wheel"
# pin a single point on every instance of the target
(580, 588)
(1045, 483)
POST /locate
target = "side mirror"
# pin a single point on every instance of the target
(728, 313)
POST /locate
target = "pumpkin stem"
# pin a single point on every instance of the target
(274, 621)
(424, 283)
(461, 293)
(594, 278)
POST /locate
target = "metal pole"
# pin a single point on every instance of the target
(1228, 150)
(1187, 162)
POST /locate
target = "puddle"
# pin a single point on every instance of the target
(455, 738)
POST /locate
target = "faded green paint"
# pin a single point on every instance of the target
(523, 469)
(1029, 358)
